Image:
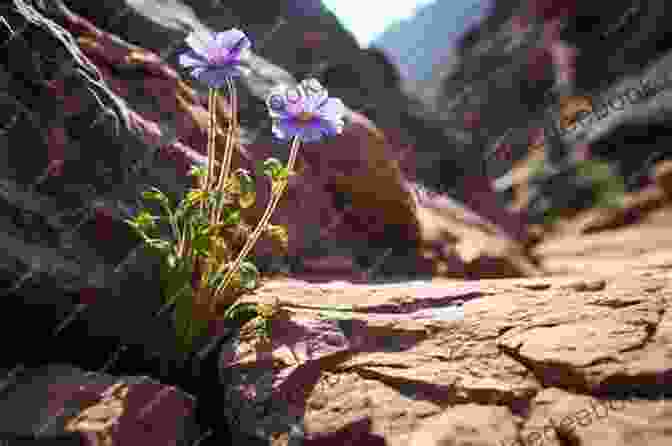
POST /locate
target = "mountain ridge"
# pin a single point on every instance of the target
(418, 43)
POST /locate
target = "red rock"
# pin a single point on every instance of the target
(416, 372)
(88, 295)
(538, 61)
(369, 167)
(472, 120)
(551, 9)
(104, 224)
(58, 142)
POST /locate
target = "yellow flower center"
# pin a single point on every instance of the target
(305, 116)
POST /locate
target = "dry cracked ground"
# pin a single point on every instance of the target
(581, 356)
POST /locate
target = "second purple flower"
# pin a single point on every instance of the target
(305, 111)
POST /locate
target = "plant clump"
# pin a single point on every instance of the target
(202, 239)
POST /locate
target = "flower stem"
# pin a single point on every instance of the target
(276, 193)
(183, 247)
(233, 128)
(212, 131)
(225, 170)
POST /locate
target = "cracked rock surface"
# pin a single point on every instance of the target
(564, 359)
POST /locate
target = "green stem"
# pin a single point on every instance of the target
(276, 193)
(172, 221)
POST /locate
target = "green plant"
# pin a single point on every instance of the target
(608, 185)
(201, 271)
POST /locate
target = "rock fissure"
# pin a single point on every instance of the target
(550, 374)
(650, 330)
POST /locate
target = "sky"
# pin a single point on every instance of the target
(366, 19)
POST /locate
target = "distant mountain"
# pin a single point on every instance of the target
(426, 40)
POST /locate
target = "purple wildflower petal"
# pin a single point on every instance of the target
(233, 39)
(216, 77)
(285, 129)
(239, 47)
(314, 102)
(191, 59)
(196, 72)
(312, 132)
(311, 117)
(238, 56)
(311, 104)
(277, 104)
(332, 109)
(281, 115)
(226, 47)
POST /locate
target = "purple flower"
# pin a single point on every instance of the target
(306, 111)
(212, 58)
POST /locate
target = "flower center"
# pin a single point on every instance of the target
(305, 116)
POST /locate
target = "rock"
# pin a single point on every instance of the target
(597, 115)
(469, 245)
(635, 207)
(59, 402)
(663, 176)
(354, 195)
(626, 250)
(106, 118)
(398, 359)
(620, 420)
(467, 424)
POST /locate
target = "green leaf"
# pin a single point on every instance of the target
(201, 243)
(175, 273)
(231, 217)
(263, 328)
(136, 228)
(131, 223)
(215, 278)
(249, 275)
(240, 311)
(143, 222)
(198, 171)
(283, 173)
(272, 168)
(159, 244)
(171, 260)
(155, 194)
(247, 189)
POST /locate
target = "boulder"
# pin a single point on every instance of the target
(61, 404)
